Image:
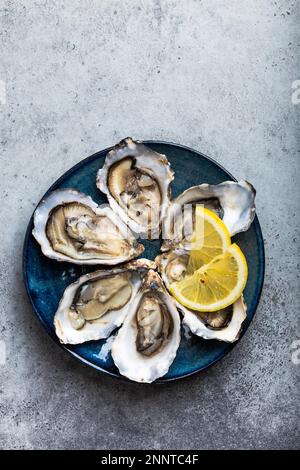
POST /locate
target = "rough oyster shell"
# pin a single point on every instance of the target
(118, 235)
(137, 181)
(233, 202)
(102, 327)
(130, 344)
(229, 333)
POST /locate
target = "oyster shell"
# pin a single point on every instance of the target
(71, 227)
(137, 181)
(147, 342)
(93, 306)
(224, 325)
(231, 201)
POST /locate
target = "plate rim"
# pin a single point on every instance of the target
(50, 332)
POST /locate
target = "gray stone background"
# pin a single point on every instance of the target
(77, 76)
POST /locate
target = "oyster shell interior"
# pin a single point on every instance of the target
(224, 325)
(136, 190)
(154, 325)
(74, 229)
(94, 305)
(217, 320)
(136, 180)
(70, 226)
(95, 298)
(146, 343)
(233, 202)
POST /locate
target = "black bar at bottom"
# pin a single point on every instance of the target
(139, 458)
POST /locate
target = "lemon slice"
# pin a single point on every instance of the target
(210, 238)
(215, 285)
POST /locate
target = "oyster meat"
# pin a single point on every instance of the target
(70, 226)
(146, 344)
(137, 182)
(93, 306)
(224, 325)
(231, 201)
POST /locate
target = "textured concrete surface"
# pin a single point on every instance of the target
(76, 77)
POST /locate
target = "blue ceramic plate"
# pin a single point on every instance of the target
(46, 279)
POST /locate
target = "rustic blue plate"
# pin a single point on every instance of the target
(46, 279)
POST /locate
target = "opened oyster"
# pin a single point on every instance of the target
(70, 226)
(224, 325)
(137, 181)
(146, 344)
(233, 202)
(93, 306)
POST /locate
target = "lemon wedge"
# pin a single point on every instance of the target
(215, 285)
(210, 238)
